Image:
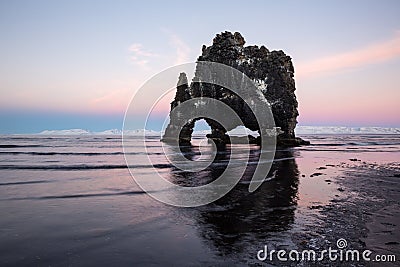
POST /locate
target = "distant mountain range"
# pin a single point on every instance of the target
(107, 132)
(344, 130)
(300, 130)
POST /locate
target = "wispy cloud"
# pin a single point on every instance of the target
(182, 50)
(182, 54)
(140, 56)
(371, 54)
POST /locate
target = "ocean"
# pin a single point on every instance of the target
(70, 200)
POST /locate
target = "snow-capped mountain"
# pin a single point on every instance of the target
(66, 132)
(344, 130)
(141, 132)
(239, 131)
(138, 132)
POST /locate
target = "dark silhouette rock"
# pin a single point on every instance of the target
(272, 73)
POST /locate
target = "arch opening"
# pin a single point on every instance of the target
(201, 129)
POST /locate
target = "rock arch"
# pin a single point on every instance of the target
(218, 132)
(271, 71)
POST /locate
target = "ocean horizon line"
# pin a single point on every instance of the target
(300, 130)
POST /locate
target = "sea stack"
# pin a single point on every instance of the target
(272, 73)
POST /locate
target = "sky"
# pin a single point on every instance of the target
(77, 64)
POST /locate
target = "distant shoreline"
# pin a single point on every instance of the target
(239, 131)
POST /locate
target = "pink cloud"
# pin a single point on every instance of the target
(139, 55)
(372, 54)
(372, 110)
(182, 50)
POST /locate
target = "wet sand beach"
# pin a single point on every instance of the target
(70, 200)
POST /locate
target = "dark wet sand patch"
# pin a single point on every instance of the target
(366, 213)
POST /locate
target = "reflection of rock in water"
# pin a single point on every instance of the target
(240, 219)
(203, 177)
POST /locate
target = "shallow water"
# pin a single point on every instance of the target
(70, 200)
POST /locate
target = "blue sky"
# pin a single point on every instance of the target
(76, 64)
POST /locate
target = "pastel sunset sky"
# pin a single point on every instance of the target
(77, 64)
